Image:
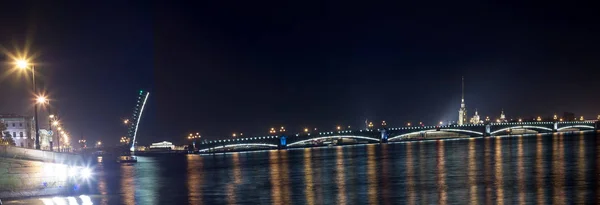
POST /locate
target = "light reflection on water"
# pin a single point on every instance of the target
(536, 169)
(194, 179)
(128, 185)
(340, 178)
(499, 175)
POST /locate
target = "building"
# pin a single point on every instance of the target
(162, 145)
(46, 139)
(462, 112)
(20, 128)
(475, 119)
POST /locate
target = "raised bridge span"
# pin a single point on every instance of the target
(385, 135)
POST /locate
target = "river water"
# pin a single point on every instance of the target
(535, 169)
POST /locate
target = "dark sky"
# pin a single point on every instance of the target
(218, 67)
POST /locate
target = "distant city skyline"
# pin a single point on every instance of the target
(253, 67)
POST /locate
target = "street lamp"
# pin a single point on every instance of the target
(23, 65)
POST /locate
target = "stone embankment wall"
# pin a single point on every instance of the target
(28, 172)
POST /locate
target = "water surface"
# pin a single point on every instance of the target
(536, 169)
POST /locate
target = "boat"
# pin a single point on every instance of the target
(127, 159)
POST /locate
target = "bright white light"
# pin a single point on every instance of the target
(60, 171)
(59, 201)
(72, 200)
(72, 171)
(86, 173)
(85, 200)
(22, 64)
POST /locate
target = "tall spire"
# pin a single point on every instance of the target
(463, 88)
(462, 112)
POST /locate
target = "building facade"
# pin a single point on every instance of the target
(475, 119)
(162, 145)
(46, 139)
(20, 128)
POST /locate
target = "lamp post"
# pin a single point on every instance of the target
(59, 130)
(51, 122)
(23, 64)
(193, 138)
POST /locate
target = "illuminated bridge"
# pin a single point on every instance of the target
(387, 134)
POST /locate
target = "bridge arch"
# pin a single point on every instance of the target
(406, 134)
(333, 136)
(576, 126)
(435, 130)
(238, 145)
(461, 130)
(537, 128)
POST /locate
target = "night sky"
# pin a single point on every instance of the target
(218, 67)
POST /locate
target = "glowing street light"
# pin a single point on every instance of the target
(23, 64)
(125, 121)
(581, 118)
(55, 123)
(305, 129)
(339, 127)
(441, 123)
(520, 120)
(383, 123)
(555, 117)
(233, 135)
(41, 99)
(539, 118)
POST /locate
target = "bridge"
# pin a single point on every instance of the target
(385, 135)
(136, 117)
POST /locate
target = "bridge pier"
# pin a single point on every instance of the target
(282, 142)
(384, 136)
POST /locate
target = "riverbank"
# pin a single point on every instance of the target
(29, 172)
